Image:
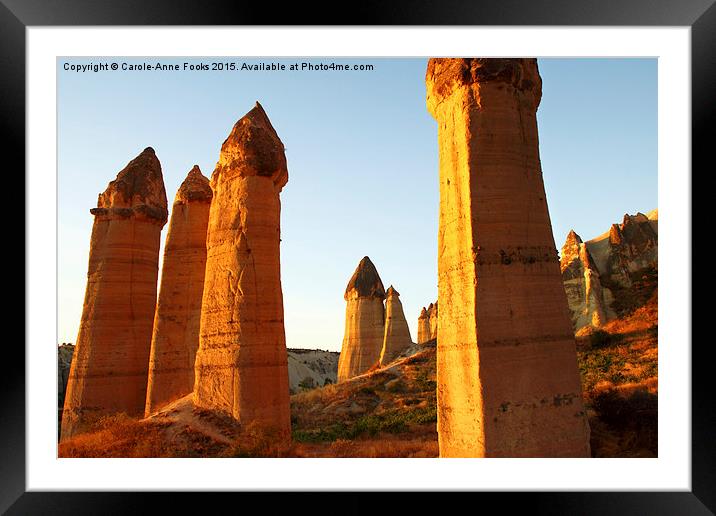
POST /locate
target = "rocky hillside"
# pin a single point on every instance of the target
(309, 368)
(608, 277)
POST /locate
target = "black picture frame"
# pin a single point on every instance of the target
(17, 15)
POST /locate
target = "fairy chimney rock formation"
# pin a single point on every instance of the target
(423, 326)
(365, 322)
(241, 365)
(433, 320)
(508, 383)
(175, 338)
(588, 301)
(109, 369)
(396, 337)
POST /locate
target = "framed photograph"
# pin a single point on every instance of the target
(419, 252)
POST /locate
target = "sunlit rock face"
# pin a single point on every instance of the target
(241, 364)
(175, 338)
(433, 320)
(508, 384)
(396, 337)
(423, 326)
(365, 322)
(109, 369)
(589, 303)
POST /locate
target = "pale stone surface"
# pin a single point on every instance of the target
(241, 364)
(311, 367)
(423, 326)
(588, 301)
(396, 337)
(365, 322)
(508, 384)
(175, 338)
(109, 370)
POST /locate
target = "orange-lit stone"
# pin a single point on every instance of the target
(241, 366)
(365, 322)
(508, 383)
(109, 369)
(175, 338)
(396, 337)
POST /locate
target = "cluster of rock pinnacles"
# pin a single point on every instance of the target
(375, 334)
(507, 377)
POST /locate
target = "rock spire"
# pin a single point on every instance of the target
(365, 321)
(109, 370)
(508, 383)
(241, 364)
(396, 337)
(175, 338)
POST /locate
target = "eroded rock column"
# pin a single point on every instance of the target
(433, 320)
(365, 322)
(508, 384)
(109, 368)
(175, 338)
(241, 365)
(588, 301)
(396, 337)
(423, 327)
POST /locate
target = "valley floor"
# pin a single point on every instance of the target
(391, 412)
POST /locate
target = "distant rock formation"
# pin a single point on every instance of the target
(176, 322)
(587, 300)
(396, 337)
(109, 371)
(309, 368)
(433, 320)
(598, 272)
(428, 323)
(241, 364)
(365, 321)
(627, 248)
(508, 383)
(423, 326)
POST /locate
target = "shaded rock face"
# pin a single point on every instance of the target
(109, 370)
(633, 245)
(508, 384)
(175, 338)
(423, 326)
(588, 301)
(598, 274)
(365, 322)
(241, 363)
(396, 337)
(64, 361)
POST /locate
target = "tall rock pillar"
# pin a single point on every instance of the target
(365, 322)
(423, 326)
(433, 320)
(508, 384)
(109, 368)
(396, 337)
(242, 365)
(176, 322)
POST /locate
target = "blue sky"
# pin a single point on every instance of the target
(362, 158)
